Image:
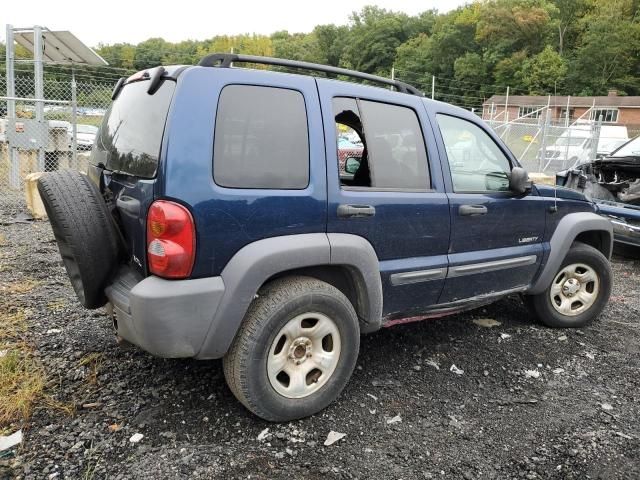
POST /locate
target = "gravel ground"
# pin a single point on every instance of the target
(531, 402)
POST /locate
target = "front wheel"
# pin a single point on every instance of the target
(295, 350)
(579, 291)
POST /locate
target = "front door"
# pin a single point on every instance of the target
(384, 185)
(496, 235)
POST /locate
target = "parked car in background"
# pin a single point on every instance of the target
(614, 183)
(350, 150)
(575, 145)
(86, 136)
(608, 147)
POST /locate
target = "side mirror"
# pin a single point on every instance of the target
(519, 181)
(351, 165)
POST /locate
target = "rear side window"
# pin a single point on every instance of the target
(130, 137)
(261, 138)
(398, 158)
(380, 146)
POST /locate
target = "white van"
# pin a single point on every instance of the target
(575, 145)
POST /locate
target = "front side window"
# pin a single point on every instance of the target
(380, 146)
(261, 138)
(475, 161)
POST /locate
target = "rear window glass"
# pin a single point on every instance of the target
(261, 138)
(131, 133)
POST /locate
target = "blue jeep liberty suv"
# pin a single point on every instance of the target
(221, 218)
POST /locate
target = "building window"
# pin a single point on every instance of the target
(563, 113)
(530, 112)
(491, 109)
(607, 115)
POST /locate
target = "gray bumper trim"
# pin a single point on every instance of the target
(167, 318)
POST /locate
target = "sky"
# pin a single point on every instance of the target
(132, 21)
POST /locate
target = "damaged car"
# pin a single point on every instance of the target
(613, 182)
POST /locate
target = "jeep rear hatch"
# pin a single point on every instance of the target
(126, 156)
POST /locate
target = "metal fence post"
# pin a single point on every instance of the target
(506, 107)
(38, 73)
(543, 141)
(433, 87)
(74, 122)
(12, 152)
(595, 139)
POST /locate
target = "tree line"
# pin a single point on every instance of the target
(576, 47)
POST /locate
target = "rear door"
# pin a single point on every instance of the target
(246, 154)
(391, 192)
(128, 147)
(496, 235)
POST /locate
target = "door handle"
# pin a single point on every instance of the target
(346, 211)
(472, 210)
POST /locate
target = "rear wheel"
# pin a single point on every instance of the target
(579, 291)
(85, 231)
(295, 350)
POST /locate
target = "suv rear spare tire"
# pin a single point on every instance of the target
(86, 233)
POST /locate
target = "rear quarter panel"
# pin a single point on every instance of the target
(229, 218)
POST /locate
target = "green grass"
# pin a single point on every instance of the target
(22, 378)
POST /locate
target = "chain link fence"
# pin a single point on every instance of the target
(57, 133)
(548, 145)
(46, 134)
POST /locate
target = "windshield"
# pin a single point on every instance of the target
(570, 141)
(630, 149)
(130, 137)
(86, 129)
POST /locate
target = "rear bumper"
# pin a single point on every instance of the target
(167, 318)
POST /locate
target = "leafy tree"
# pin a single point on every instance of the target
(508, 71)
(565, 20)
(545, 72)
(607, 52)
(375, 35)
(297, 46)
(513, 25)
(533, 46)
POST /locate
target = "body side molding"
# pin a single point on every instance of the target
(484, 267)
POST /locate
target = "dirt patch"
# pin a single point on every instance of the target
(531, 402)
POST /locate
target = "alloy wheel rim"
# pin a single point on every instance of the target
(303, 355)
(574, 289)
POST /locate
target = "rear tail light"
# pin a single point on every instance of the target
(171, 240)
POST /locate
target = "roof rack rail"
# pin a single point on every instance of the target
(225, 60)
